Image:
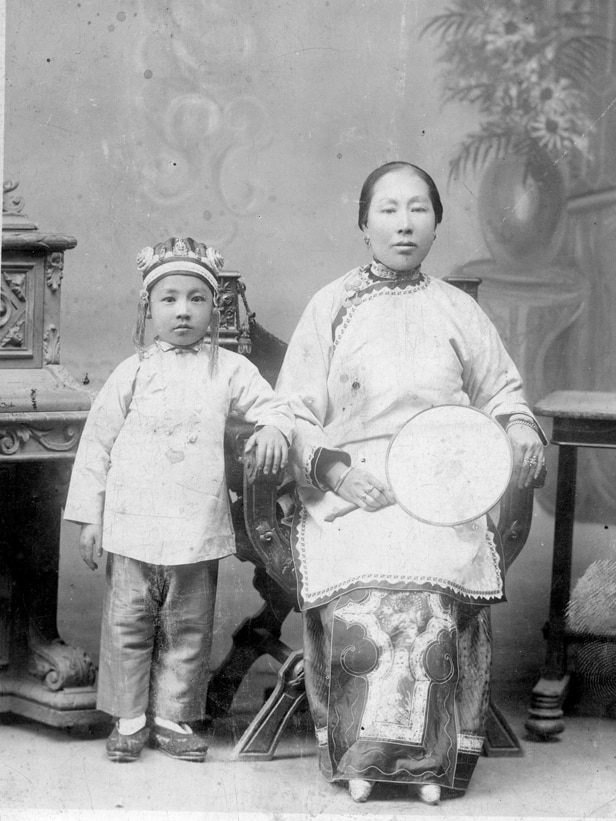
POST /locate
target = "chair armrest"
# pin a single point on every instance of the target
(516, 517)
(236, 433)
(269, 539)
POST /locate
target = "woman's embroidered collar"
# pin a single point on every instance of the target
(363, 278)
(381, 271)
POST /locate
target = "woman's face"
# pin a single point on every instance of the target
(401, 220)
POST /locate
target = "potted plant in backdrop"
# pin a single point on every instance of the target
(527, 66)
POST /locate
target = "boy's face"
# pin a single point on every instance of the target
(181, 308)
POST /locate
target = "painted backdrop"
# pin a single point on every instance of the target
(248, 123)
(251, 124)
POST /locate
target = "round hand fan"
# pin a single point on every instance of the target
(449, 464)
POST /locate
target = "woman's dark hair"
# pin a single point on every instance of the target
(367, 190)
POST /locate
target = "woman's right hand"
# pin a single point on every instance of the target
(362, 488)
(91, 544)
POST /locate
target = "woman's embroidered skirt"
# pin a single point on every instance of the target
(398, 685)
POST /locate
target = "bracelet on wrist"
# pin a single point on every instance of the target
(528, 422)
(341, 478)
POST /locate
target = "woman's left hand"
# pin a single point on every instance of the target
(528, 459)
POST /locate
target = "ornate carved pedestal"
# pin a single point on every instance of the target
(42, 411)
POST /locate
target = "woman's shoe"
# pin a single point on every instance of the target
(428, 793)
(123, 748)
(185, 746)
(360, 789)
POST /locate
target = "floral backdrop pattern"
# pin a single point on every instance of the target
(527, 66)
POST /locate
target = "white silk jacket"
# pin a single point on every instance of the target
(150, 464)
(369, 353)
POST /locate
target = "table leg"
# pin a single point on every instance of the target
(546, 714)
(41, 677)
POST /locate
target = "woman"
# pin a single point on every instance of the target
(396, 618)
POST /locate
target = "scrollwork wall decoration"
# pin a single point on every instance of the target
(200, 136)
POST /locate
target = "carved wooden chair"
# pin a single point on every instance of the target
(264, 540)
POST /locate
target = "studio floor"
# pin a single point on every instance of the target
(47, 773)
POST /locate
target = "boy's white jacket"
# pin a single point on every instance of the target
(150, 464)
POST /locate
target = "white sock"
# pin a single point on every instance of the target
(129, 726)
(171, 725)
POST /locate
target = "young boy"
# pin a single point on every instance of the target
(148, 486)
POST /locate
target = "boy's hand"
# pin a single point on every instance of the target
(266, 450)
(91, 544)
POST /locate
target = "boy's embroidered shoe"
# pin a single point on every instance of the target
(185, 746)
(123, 748)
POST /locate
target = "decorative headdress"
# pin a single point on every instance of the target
(178, 255)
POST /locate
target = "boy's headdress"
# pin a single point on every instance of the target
(180, 255)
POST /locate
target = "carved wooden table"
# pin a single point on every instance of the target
(580, 419)
(42, 411)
